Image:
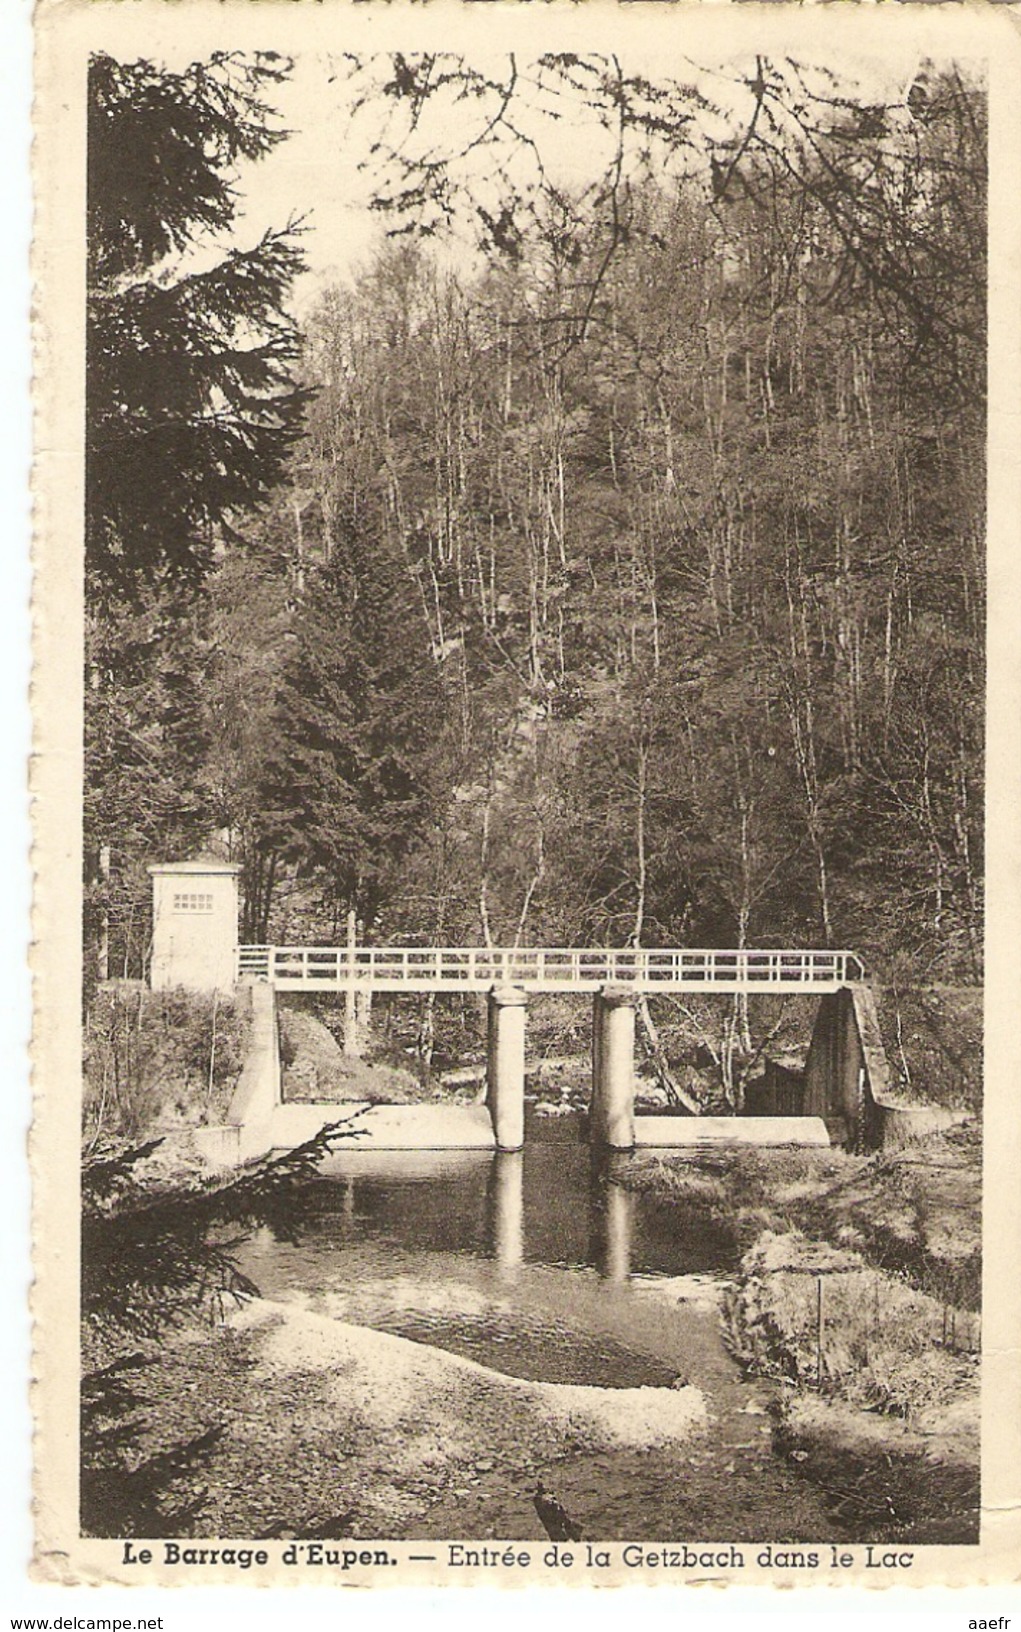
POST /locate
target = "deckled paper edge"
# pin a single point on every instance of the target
(66, 29)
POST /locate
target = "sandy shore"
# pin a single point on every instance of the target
(328, 1424)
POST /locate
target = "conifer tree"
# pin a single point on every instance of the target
(191, 404)
(361, 725)
(191, 412)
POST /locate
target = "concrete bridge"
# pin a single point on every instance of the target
(615, 977)
(195, 917)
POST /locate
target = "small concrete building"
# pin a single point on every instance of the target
(194, 925)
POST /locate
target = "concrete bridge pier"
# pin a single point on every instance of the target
(505, 1073)
(612, 1116)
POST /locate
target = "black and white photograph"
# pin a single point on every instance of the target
(533, 565)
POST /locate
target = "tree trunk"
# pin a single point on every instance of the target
(660, 1064)
(103, 949)
(352, 1040)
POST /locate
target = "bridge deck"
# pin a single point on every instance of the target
(545, 969)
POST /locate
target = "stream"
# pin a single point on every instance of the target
(542, 1265)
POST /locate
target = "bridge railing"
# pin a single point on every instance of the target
(544, 968)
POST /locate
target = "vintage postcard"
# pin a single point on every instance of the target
(526, 793)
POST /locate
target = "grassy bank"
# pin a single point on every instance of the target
(879, 1402)
(857, 1292)
(914, 1212)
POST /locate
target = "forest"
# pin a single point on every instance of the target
(617, 582)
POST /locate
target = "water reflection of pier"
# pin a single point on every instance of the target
(608, 1228)
(505, 1199)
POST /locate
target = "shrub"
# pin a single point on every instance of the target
(155, 1059)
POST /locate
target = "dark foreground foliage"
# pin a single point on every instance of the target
(158, 1253)
(125, 1492)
